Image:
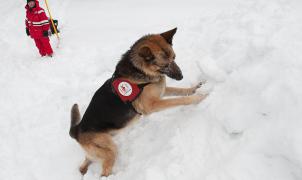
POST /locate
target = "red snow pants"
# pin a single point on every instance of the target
(44, 46)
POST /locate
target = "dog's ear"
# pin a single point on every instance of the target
(168, 36)
(146, 53)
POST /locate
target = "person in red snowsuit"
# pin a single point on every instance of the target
(38, 27)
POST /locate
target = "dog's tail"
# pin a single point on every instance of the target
(75, 119)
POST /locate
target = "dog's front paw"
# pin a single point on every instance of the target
(194, 88)
(197, 98)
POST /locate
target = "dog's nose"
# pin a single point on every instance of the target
(179, 77)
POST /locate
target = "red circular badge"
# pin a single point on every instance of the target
(125, 88)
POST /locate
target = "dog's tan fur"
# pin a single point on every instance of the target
(151, 98)
(100, 146)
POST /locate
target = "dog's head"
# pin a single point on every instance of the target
(154, 55)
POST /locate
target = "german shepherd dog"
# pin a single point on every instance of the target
(136, 88)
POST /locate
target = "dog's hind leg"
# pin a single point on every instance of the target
(108, 162)
(84, 167)
(99, 147)
(106, 151)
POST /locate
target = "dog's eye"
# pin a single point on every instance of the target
(148, 58)
(165, 55)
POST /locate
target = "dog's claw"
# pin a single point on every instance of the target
(201, 83)
(197, 87)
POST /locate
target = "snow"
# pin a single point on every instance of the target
(249, 127)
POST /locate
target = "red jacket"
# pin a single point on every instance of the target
(36, 21)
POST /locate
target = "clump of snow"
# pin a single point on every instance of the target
(248, 128)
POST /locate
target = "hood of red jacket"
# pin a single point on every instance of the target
(37, 5)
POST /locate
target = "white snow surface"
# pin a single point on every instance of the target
(249, 127)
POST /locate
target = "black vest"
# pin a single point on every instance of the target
(107, 111)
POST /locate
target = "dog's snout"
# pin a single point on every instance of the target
(179, 77)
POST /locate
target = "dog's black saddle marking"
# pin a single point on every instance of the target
(107, 111)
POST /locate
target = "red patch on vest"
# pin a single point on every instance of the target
(126, 90)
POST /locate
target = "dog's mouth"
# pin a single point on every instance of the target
(172, 70)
